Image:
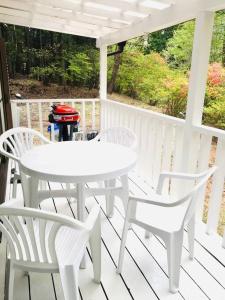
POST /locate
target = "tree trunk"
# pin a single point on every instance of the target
(117, 61)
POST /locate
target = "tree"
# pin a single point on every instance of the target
(117, 61)
(157, 41)
(179, 47)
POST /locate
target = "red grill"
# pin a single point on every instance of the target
(62, 113)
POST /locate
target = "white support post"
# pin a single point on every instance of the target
(199, 67)
(198, 78)
(103, 78)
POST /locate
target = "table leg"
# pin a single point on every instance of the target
(110, 199)
(81, 212)
(33, 189)
(25, 182)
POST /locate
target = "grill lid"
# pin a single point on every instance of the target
(63, 109)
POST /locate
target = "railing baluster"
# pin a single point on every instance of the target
(203, 164)
(157, 153)
(217, 188)
(93, 122)
(177, 159)
(167, 150)
(28, 114)
(40, 117)
(83, 120)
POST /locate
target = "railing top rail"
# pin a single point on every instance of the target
(21, 101)
(147, 112)
(210, 131)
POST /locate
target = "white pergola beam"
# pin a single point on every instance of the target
(28, 22)
(180, 12)
(123, 5)
(40, 8)
(82, 7)
(101, 21)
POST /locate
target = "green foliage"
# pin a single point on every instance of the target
(140, 75)
(215, 90)
(179, 47)
(48, 74)
(157, 41)
(175, 99)
(51, 57)
(214, 115)
(148, 78)
(214, 112)
(79, 69)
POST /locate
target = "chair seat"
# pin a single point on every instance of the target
(168, 219)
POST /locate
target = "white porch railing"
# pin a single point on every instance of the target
(160, 142)
(161, 146)
(33, 113)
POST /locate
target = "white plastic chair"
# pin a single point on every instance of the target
(47, 242)
(15, 142)
(167, 220)
(118, 135)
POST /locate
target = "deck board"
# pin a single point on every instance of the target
(144, 274)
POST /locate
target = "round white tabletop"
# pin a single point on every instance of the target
(78, 162)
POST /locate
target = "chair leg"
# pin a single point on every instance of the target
(95, 245)
(174, 244)
(26, 189)
(69, 279)
(68, 188)
(122, 245)
(125, 187)
(147, 234)
(11, 281)
(191, 237)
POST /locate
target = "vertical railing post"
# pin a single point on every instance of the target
(103, 79)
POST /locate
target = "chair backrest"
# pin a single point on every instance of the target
(193, 195)
(14, 142)
(118, 135)
(31, 233)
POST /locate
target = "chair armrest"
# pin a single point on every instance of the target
(185, 176)
(177, 175)
(40, 214)
(43, 138)
(146, 200)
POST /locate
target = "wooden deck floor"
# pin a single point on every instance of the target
(144, 275)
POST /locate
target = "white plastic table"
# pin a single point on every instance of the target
(79, 163)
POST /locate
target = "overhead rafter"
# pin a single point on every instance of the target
(109, 21)
(180, 12)
(47, 25)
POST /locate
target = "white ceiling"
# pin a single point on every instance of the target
(108, 21)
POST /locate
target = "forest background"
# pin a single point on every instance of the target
(153, 69)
